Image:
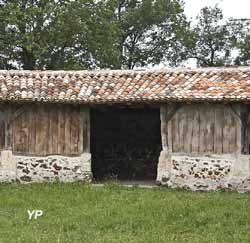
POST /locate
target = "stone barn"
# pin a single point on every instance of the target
(180, 128)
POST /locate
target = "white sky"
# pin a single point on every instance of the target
(231, 8)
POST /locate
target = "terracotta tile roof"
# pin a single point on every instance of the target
(217, 84)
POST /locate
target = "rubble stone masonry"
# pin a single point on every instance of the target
(26, 169)
(205, 173)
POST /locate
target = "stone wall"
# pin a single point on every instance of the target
(26, 169)
(7, 167)
(207, 173)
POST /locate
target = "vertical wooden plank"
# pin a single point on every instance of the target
(235, 131)
(67, 131)
(8, 130)
(166, 133)
(170, 138)
(13, 127)
(61, 131)
(85, 128)
(188, 128)
(32, 129)
(243, 127)
(87, 115)
(82, 130)
(16, 130)
(24, 132)
(164, 129)
(238, 130)
(206, 121)
(203, 129)
(74, 131)
(46, 134)
(182, 122)
(54, 128)
(50, 131)
(209, 136)
(218, 131)
(232, 132)
(175, 132)
(195, 129)
(169, 132)
(21, 133)
(39, 130)
(10, 113)
(226, 130)
(45, 129)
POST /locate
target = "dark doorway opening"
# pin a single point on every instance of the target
(125, 143)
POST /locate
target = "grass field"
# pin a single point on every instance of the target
(78, 213)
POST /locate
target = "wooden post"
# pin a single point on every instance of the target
(85, 129)
(88, 129)
(238, 129)
(167, 113)
(8, 132)
(236, 112)
(164, 127)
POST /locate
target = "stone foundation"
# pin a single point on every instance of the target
(193, 172)
(7, 167)
(206, 173)
(26, 169)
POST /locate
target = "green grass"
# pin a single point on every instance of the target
(82, 213)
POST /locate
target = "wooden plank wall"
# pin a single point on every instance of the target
(201, 128)
(50, 129)
(64, 129)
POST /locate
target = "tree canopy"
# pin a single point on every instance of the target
(45, 34)
(211, 45)
(240, 34)
(88, 34)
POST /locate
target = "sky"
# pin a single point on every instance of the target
(231, 8)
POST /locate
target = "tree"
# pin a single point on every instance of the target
(211, 39)
(151, 31)
(87, 34)
(102, 33)
(45, 34)
(240, 35)
(25, 26)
